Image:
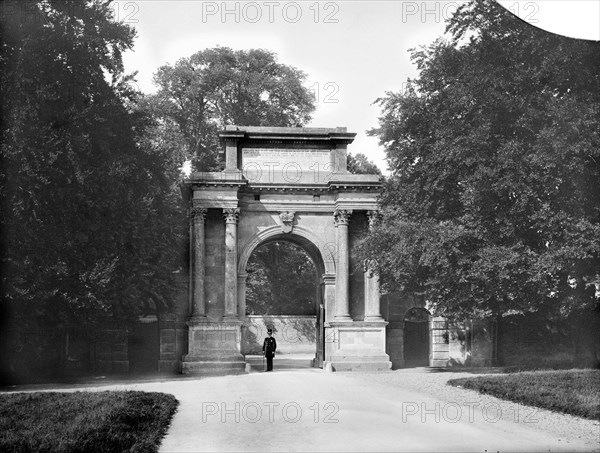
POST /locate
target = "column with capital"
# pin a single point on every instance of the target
(231, 219)
(372, 305)
(342, 302)
(198, 303)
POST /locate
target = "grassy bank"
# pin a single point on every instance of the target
(575, 392)
(84, 421)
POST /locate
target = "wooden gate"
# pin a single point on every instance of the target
(416, 343)
(320, 355)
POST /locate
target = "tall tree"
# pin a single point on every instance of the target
(359, 164)
(200, 95)
(86, 218)
(493, 206)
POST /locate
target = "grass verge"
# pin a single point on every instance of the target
(575, 392)
(84, 421)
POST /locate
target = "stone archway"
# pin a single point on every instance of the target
(296, 334)
(321, 256)
(291, 183)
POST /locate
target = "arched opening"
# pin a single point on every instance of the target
(284, 292)
(282, 281)
(416, 337)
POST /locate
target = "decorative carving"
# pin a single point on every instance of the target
(198, 213)
(374, 217)
(342, 216)
(369, 266)
(231, 215)
(287, 220)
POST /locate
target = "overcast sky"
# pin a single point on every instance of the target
(352, 51)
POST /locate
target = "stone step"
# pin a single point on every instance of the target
(361, 366)
(280, 362)
(213, 368)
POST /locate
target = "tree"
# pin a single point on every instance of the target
(361, 165)
(495, 157)
(86, 218)
(200, 95)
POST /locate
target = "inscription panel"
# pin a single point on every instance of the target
(284, 166)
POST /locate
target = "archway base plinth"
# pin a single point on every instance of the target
(356, 346)
(360, 364)
(207, 368)
(214, 348)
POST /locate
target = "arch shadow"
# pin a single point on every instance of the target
(322, 254)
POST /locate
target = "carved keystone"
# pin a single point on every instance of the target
(287, 220)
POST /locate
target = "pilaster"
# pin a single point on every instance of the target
(231, 216)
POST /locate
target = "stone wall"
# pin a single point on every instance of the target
(534, 340)
(173, 344)
(451, 344)
(471, 343)
(459, 336)
(394, 307)
(294, 334)
(29, 352)
(36, 352)
(173, 330)
(109, 352)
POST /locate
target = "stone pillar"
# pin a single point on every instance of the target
(198, 303)
(231, 218)
(241, 294)
(342, 299)
(231, 157)
(339, 158)
(372, 304)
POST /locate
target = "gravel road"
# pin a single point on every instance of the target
(480, 406)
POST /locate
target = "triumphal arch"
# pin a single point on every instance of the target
(282, 184)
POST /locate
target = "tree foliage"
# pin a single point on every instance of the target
(200, 95)
(493, 205)
(359, 164)
(281, 281)
(87, 217)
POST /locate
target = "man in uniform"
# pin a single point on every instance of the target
(269, 347)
